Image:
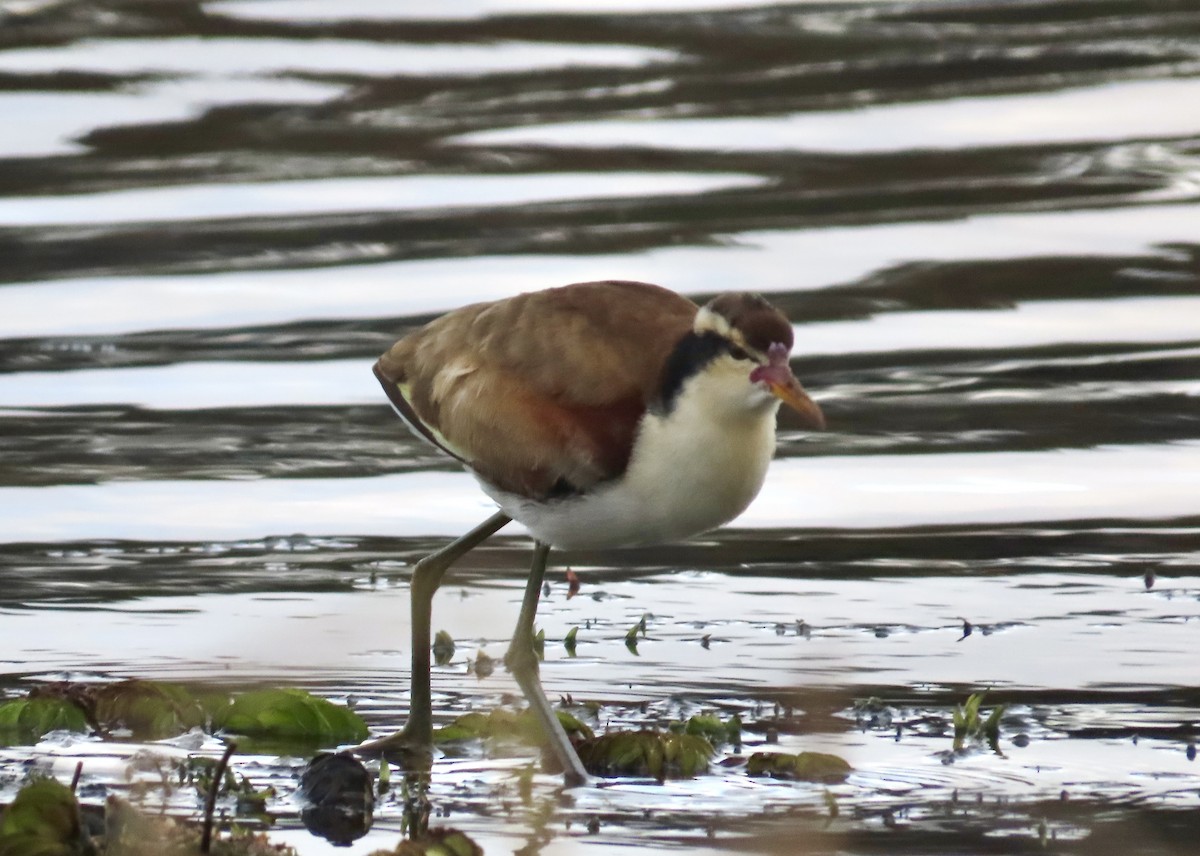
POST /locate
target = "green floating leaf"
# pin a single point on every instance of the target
(646, 753)
(501, 724)
(436, 842)
(806, 766)
(469, 726)
(148, 709)
(44, 820)
(710, 727)
(569, 641)
(292, 714)
(30, 718)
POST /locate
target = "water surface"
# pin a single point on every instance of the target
(982, 219)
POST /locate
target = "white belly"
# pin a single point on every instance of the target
(686, 476)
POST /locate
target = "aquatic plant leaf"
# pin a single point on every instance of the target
(30, 718)
(805, 766)
(645, 753)
(969, 726)
(710, 727)
(443, 648)
(991, 729)
(569, 641)
(214, 703)
(469, 726)
(502, 723)
(44, 820)
(292, 714)
(573, 725)
(150, 710)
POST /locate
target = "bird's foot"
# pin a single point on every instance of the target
(520, 656)
(409, 752)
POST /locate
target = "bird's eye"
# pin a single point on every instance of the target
(738, 354)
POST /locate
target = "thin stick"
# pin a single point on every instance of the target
(75, 778)
(210, 804)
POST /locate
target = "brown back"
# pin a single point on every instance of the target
(542, 392)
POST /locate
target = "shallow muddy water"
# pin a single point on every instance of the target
(982, 217)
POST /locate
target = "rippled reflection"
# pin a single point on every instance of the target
(982, 219)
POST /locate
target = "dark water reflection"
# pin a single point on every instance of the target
(983, 218)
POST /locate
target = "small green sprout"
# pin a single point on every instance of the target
(631, 638)
(968, 724)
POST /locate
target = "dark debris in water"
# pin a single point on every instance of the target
(339, 798)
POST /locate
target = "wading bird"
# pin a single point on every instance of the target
(601, 414)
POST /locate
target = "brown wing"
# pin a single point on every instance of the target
(541, 392)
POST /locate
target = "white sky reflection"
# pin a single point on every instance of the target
(763, 261)
(1157, 108)
(1140, 482)
(342, 195)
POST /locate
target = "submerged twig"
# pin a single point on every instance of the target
(210, 804)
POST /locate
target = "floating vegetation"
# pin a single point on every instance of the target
(804, 766)
(710, 727)
(657, 754)
(443, 648)
(149, 710)
(436, 842)
(504, 724)
(569, 641)
(683, 750)
(144, 710)
(292, 714)
(28, 719)
(45, 820)
(483, 666)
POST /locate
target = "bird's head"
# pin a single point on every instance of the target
(757, 339)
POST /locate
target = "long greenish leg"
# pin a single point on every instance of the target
(426, 577)
(523, 663)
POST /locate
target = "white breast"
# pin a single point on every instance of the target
(691, 470)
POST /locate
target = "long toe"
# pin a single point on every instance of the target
(400, 748)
